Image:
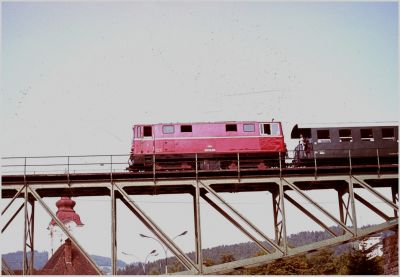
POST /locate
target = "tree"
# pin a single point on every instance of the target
(208, 262)
(225, 258)
(296, 265)
(323, 262)
(356, 262)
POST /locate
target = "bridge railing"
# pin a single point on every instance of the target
(317, 160)
(64, 164)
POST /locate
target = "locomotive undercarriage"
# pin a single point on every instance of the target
(216, 162)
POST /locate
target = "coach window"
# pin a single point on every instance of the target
(388, 133)
(168, 129)
(186, 128)
(366, 135)
(231, 127)
(147, 131)
(345, 135)
(323, 136)
(249, 127)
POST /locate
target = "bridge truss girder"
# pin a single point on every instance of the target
(278, 186)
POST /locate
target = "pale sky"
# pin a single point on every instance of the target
(76, 76)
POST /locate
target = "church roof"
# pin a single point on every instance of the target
(68, 260)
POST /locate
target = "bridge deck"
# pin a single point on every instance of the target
(177, 182)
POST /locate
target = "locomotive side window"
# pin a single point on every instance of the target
(323, 136)
(388, 133)
(345, 135)
(366, 135)
(168, 129)
(147, 131)
(139, 131)
(186, 128)
(249, 127)
(231, 127)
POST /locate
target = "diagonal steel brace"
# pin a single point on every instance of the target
(375, 192)
(258, 231)
(234, 222)
(294, 187)
(180, 255)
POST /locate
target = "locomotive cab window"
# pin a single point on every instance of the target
(139, 132)
(270, 129)
(345, 135)
(147, 132)
(249, 127)
(323, 136)
(388, 133)
(231, 127)
(168, 129)
(366, 135)
(186, 128)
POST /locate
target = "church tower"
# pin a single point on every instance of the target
(67, 215)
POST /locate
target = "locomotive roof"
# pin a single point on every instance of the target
(207, 122)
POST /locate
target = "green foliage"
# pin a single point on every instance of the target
(297, 265)
(356, 262)
(323, 262)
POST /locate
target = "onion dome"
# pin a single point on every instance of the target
(65, 212)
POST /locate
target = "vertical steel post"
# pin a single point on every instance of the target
(113, 232)
(395, 197)
(113, 226)
(379, 164)
(32, 226)
(275, 209)
(196, 166)
(282, 204)
(315, 166)
(353, 205)
(341, 212)
(24, 265)
(238, 166)
(197, 226)
(68, 171)
(25, 221)
(350, 164)
(197, 229)
(154, 168)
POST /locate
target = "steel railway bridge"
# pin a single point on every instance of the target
(35, 178)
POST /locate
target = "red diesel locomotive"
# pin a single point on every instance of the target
(175, 146)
